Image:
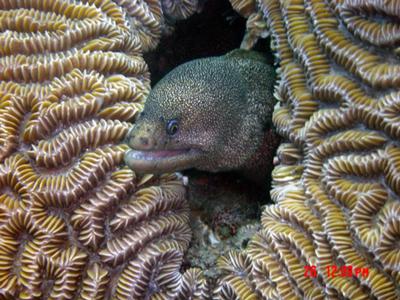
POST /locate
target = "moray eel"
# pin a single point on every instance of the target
(211, 114)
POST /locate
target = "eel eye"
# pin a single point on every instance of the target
(172, 127)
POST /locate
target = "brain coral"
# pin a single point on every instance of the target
(337, 185)
(75, 223)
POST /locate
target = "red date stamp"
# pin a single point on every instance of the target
(333, 271)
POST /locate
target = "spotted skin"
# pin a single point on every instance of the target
(223, 108)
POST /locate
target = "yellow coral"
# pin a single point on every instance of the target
(72, 81)
(337, 184)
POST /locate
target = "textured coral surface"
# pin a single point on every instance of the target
(75, 223)
(337, 186)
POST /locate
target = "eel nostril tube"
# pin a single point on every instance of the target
(144, 141)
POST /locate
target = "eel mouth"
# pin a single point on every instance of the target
(161, 161)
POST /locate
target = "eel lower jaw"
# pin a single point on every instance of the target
(161, 161)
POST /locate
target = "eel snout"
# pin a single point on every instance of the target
(150, 154)
(142, 137)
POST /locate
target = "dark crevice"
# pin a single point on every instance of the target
(215, 31)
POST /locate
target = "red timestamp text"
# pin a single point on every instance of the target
(333, 271)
